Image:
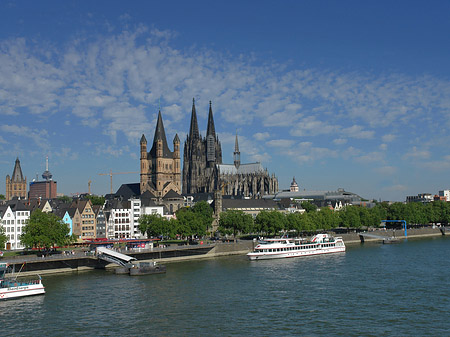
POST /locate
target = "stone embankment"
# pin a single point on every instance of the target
(85, 261)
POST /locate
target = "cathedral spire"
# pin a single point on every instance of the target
(211, 130)
(237, 154)
(193, 131)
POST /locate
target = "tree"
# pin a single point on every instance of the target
(65, 199)
(204, 216)
(350, 217)
(152, 225)
(235, 221)
(270, 222)
(309, 207)
(96, 200)
(3, 237)
(45, 230)
(2, 197)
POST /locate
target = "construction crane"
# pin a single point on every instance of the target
(89, 186)
(111, 173)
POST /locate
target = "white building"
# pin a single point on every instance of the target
(14, 216)
(446, 194)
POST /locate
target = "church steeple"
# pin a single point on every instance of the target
(160, 147)
(193, 131)
(211, 130)
(237, 154)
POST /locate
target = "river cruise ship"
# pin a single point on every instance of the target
(285, 247)
(12, 286)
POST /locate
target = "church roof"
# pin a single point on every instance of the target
(171, 195)
(242, 169)
(17, 173)
(129, 190)
(160, 134)
(249, 204)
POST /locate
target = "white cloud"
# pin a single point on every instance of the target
(260, 136)
(281, 143)
(415, 153)
(386, 170)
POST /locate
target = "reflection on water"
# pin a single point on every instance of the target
(369, 290)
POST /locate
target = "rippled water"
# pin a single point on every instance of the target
(370, 290)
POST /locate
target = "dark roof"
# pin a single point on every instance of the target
(249, 203)
(202, 196)
(172, 195)
(127, 191)
(17, 173)
(160, 134)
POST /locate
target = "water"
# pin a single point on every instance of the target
(370, 290)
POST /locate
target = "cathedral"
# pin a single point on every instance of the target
(204, 172)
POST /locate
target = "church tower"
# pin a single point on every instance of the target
(201, 156)
(16, 186)
(160, 168)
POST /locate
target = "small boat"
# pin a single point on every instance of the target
(146, 268)
(391, 239)
(285, 247)
(11, 286)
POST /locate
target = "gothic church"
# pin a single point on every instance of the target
(204, 172)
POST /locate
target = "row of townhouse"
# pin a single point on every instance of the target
(116, 219)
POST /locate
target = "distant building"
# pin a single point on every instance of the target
(294, 186)
(445, 194)
(422, 197)
(332, 199)
(16, 186)
(45, 189)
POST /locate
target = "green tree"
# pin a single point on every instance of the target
(153, 225)
(3, 237)
(270, 222)
(45, 230)
(96, 200)
(2, 197)
(309, 207)
(350, 217)
(65, 199)
(204, 216)
(234, 222)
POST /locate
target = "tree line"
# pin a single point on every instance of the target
(45, 230)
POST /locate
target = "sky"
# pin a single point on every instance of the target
(338, 94)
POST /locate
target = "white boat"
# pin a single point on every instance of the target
(285, 247)
(11, 286)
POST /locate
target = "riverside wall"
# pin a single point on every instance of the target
(82, 261)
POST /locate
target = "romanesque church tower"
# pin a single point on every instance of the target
(16, 186)
(160, 168)
(201, 157)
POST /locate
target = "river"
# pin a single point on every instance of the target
(370, 290)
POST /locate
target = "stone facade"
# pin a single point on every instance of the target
(204, 172)
(201, 157)
(160, 168)
(16, 186)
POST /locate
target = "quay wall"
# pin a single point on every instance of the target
(81, 261)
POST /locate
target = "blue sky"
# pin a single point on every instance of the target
(339, 94)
